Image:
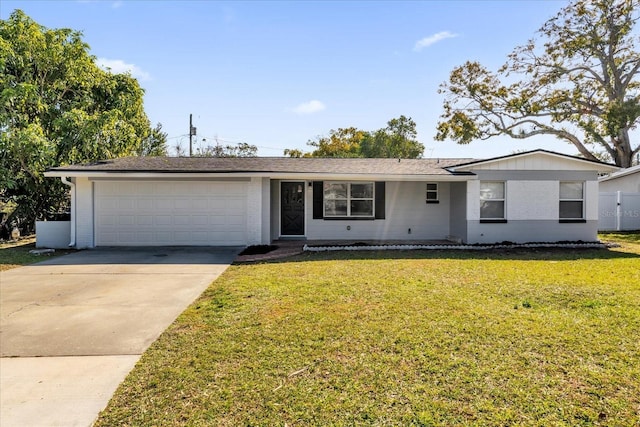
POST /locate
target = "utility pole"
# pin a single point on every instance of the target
(192, 133)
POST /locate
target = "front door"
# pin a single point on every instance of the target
(292, 209)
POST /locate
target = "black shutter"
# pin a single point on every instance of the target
(380, 199)
(318, 200)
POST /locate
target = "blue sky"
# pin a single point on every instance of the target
(276, 74)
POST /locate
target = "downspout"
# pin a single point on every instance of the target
(72, 187)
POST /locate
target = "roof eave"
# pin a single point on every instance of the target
(272, 175)
(621, 173)
(601, 166)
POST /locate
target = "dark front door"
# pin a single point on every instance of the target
(292, 209)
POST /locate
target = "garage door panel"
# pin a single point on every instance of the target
(199, 204)
(106, 220)
(162, 203)
(201, 221)
(124, 220)
(109, 239)
(163, 236)
(162, 220)
(236, 203)
(124, 237)
(236, 220)
(200, 237)
(144, 204)
(181, 220)
(144, 220)
(170, 213)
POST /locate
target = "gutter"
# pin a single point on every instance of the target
(309, 176)
(72, 187)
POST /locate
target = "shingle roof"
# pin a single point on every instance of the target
(268, 165)
(526, 153)
(621, 173)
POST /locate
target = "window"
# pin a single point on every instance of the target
(492, 198)
(353, 201)
(432, 192)
(348, 199)
(571, 200)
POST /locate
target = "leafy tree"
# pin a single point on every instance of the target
(294, 152)
(577, 81)
(241, 149)
(343, 142)
(397, 139)
(155, 144)
(58, 107)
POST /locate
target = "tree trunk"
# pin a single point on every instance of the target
(624, 153)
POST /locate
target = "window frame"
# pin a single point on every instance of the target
(503, 200)
(432, 191)
(349, 199)
(562, 200)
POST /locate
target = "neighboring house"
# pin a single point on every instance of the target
(620, 200)
(537, 196)
(625, 180)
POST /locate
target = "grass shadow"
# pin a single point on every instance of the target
(519, 254)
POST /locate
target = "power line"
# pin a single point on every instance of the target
(176, 137)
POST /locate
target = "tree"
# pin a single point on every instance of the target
(397, 139)
(343, 142)
(294, 152)
(58, 107)
(578, 82)
(155, 144)
(241, 149)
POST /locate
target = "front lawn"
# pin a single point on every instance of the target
(538, 337)
(16, 254)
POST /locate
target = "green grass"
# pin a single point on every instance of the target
(16, 254)
(621, 236)
(401, 338)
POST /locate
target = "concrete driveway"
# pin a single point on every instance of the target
(72, 327)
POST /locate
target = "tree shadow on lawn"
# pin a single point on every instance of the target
(520, 254)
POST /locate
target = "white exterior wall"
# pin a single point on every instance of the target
(536, 161)
(265, 209)
(84, 213)
(532, 200)
(627, 184)
(532, 214)
(254, 211)
(405, 209)
(473, 200)
(591, 197)
(53, 234)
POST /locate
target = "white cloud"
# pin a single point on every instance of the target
(435, 38)
(310, 107)
(118, 66)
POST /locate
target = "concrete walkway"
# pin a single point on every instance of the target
(72, 327)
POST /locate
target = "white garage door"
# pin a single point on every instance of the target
(151, 213)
